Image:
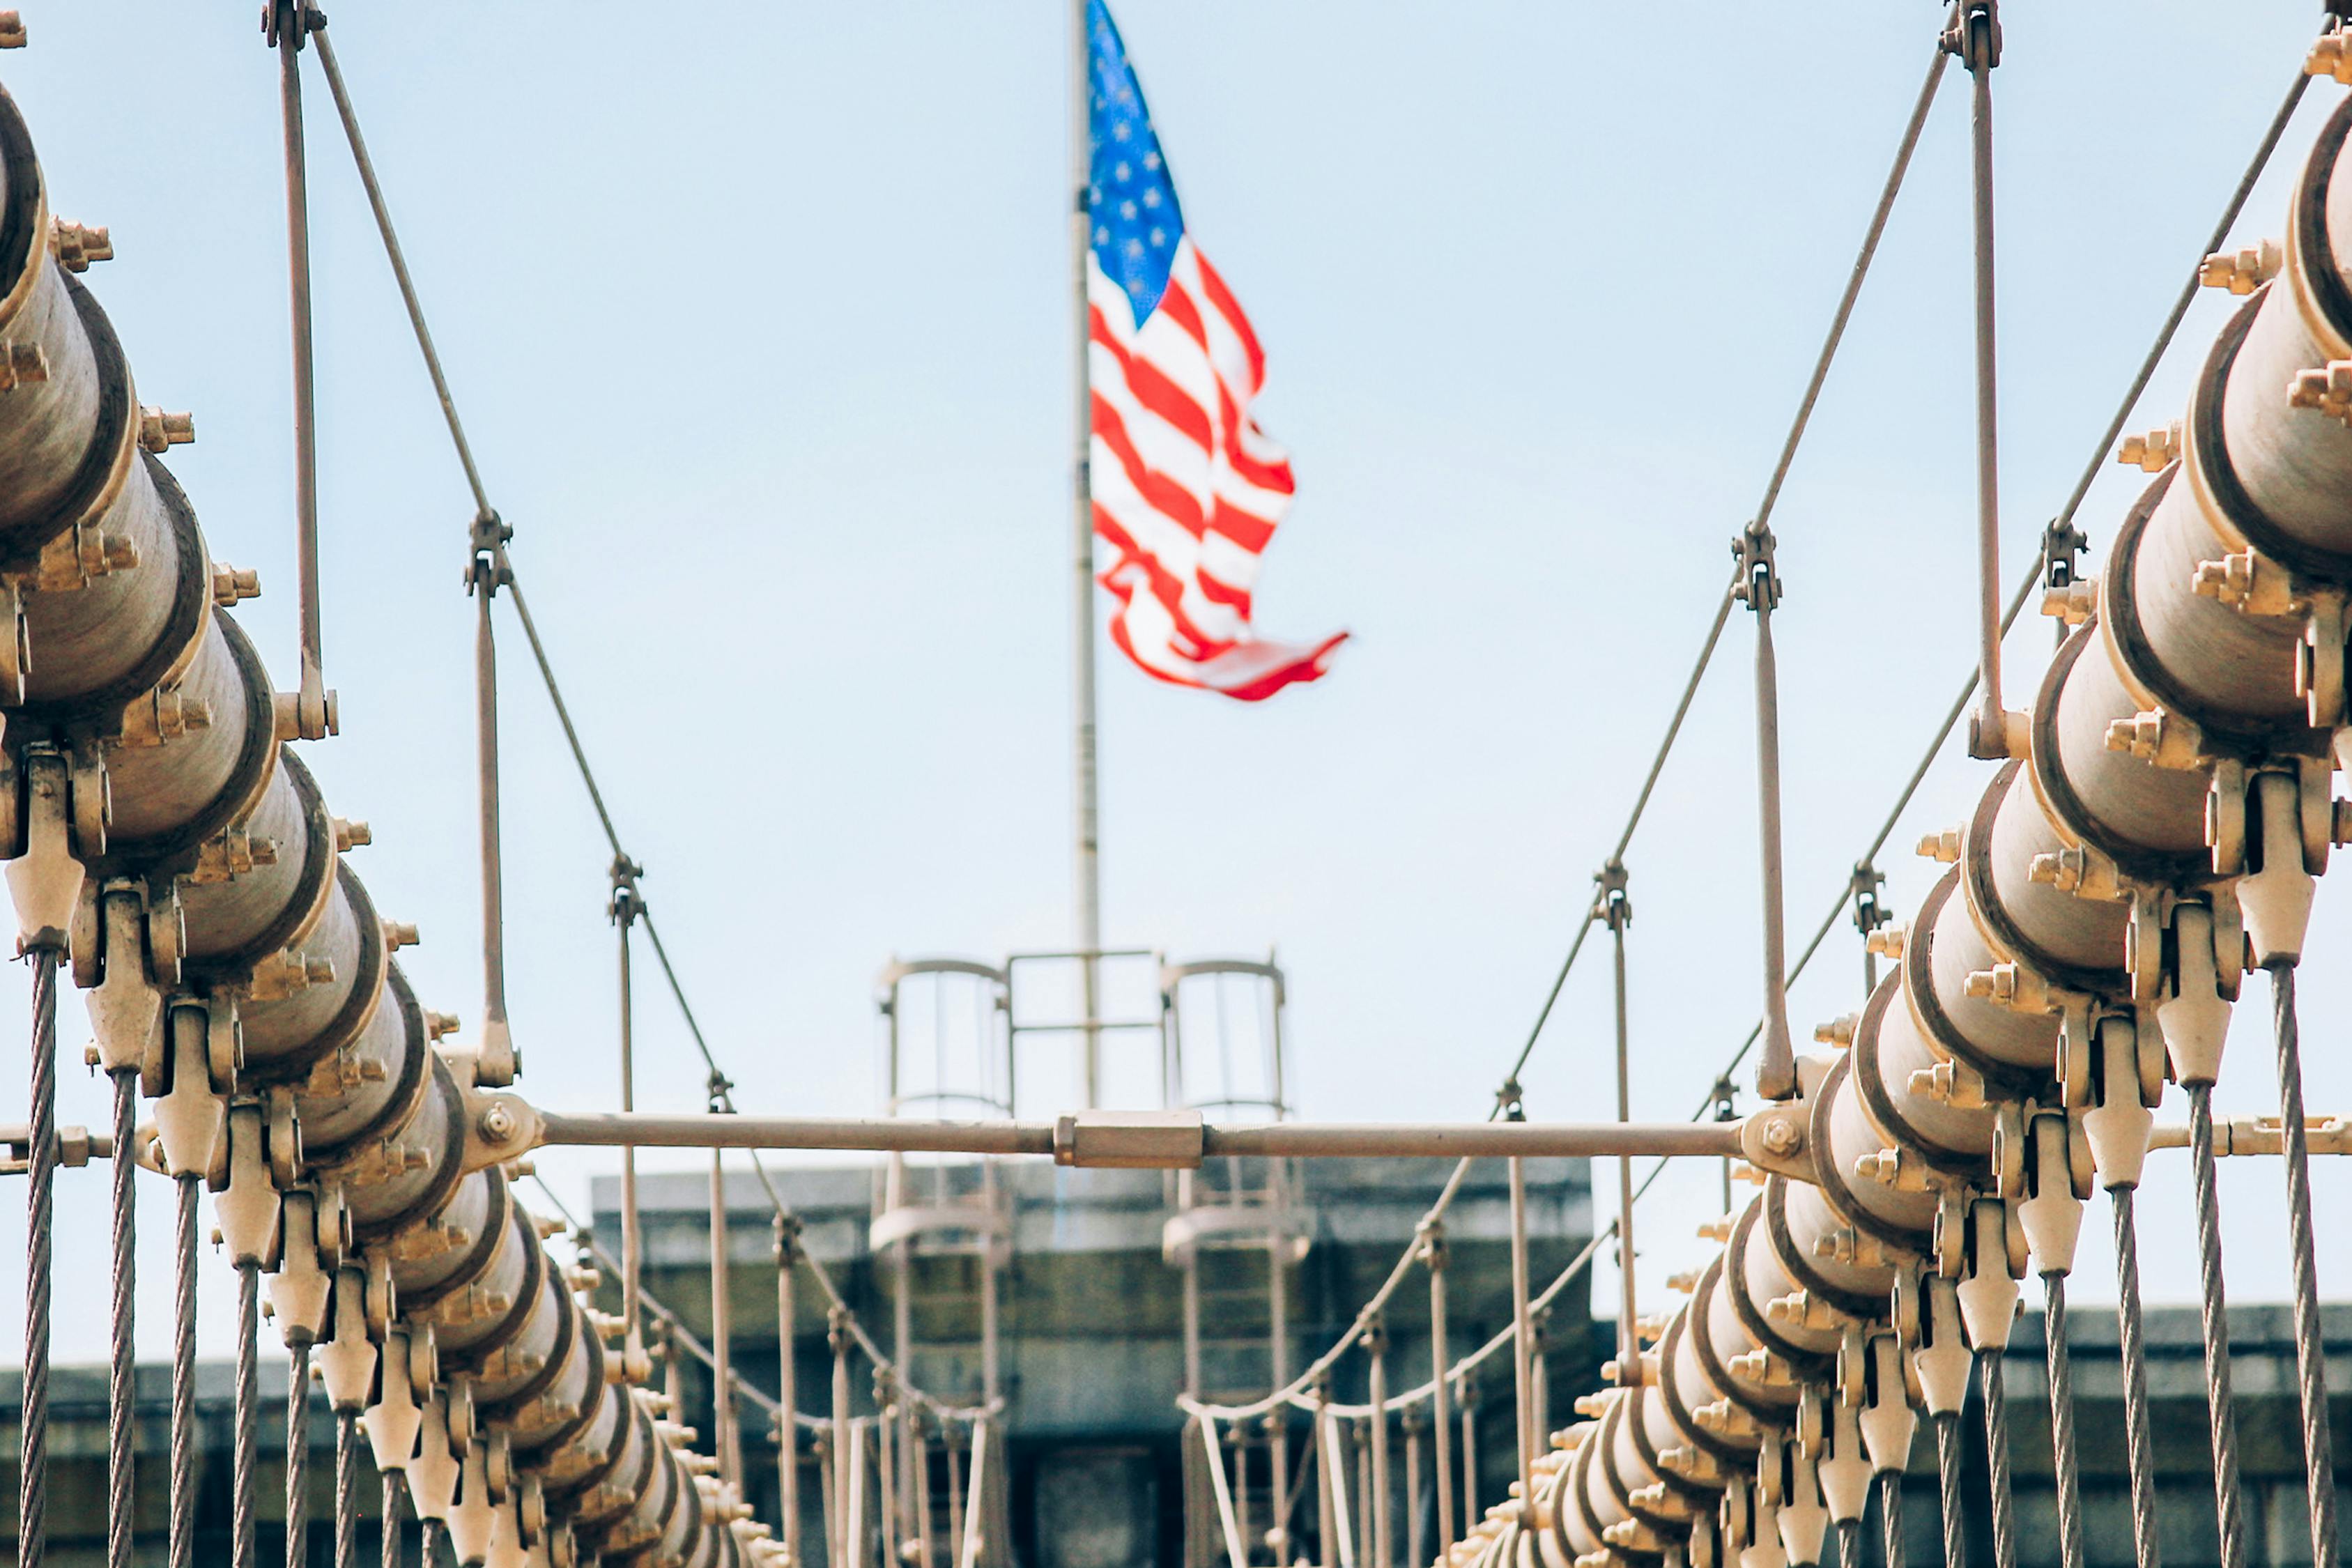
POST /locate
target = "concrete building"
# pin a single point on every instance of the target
(1093, 1355)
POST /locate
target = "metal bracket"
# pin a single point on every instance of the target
(1610, 906)
(1131, 1140)
(486, 567)
(627, 901)
(1753, 548)
(1972, 35)
(1869, 912)
(1773, 1140)
(499, 1125)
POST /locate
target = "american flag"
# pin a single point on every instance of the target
(1187, 489)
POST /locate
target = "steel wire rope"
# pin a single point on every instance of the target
(2067, 1462)
(2132, 1332)
(122, 1366)
(40, 1171)
(182, 1545)
(2310, 1348)
(397, 259)
(1789, 444)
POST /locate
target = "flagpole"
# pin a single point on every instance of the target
(1087, 868)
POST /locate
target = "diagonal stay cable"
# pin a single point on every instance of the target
(585, 1240)
(1788, 445)
(425, 344)
(2146, 370)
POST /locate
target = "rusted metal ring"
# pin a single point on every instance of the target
(2119, 604)
(23, 223)
(1744, 1307)
(1637, 1431)
(476, 1355)
(475, 1263)
(1836, 1191)
(249, 775)
(1984, 901)
(567, 1329)
(1621, 1412)
(408, 1094)
(1579, 1490)
(2219, 476)
(300, 912)
(1800, 1269)
(361, 1001)
(2310, 232)
(103, 461)
(190, 602)
(1919, 986)
(2065, 803)
(634, 1492)
(1679, 1408)
(452, 1170)
(1870, 1083)
(571, 1430)
(1764, 1414)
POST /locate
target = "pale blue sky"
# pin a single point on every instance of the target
(760, 319)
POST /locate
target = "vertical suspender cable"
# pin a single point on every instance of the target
(297, 1455)
(624, 908)
(184, 1373)
(837, 1521)
(2065, 1460)
(1890, 1516)
(290, 22)
(1948, 1485)
(1617, 910)
(245, 1483)
(722, 1324)
(1367, 1504)
(2310, 1347)
(1975, 36)
(395, 1501)
(2142, 1446)
(1760, 588)
(885, 1461)
(1328, 1479)
(347, 1488)
(788, 1435)
(1414, 1555)
(1440, 1427)
(1996, 1415)
(486, 572)
(40, 1174)
(1469, 1451)
(2221, 1409)
(428, 1544)
(1522, 1334)
(1277, 1420)
(122, 1387)
(1376, 1496)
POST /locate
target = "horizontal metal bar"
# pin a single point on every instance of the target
(1175, 1141)
(648, 1130)
(1310, 1139)
(2261, 1135)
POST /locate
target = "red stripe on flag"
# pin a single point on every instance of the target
(1165, 496)
(1221, 300)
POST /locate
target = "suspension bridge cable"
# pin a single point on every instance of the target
(423, 333)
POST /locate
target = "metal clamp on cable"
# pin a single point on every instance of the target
(1972, 35)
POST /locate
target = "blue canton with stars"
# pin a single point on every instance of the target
(1130, 197)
